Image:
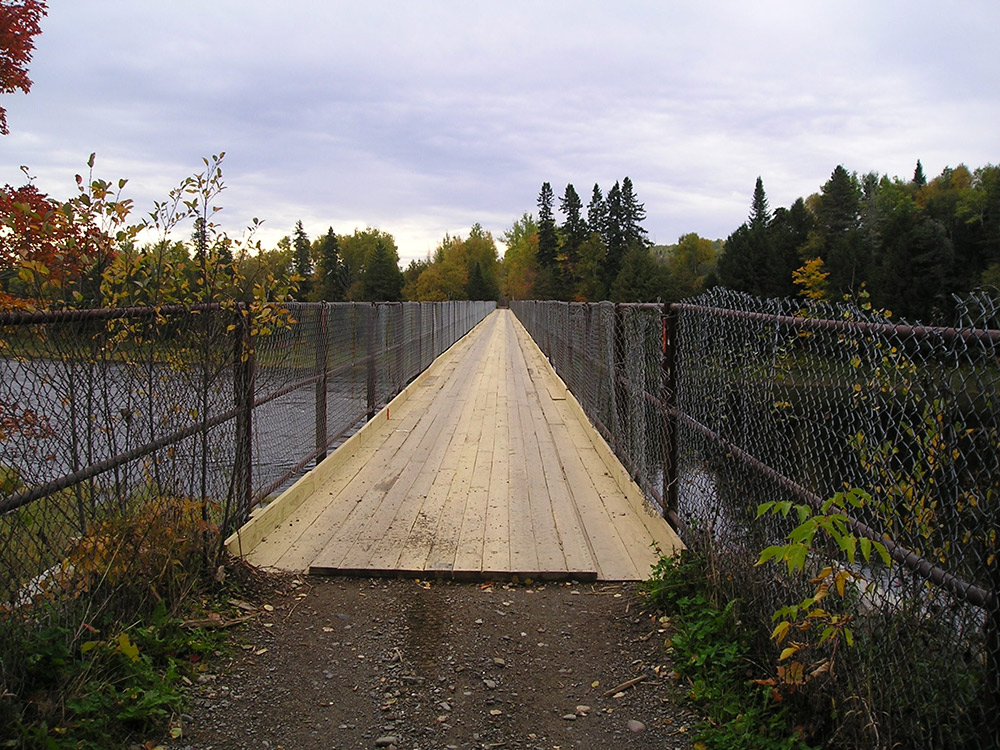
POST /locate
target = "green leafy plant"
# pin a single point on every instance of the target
(711, 654)
(811, 631)
(106, 691)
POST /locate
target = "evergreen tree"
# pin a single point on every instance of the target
(788, 232)
(479, 287)
(739, 267)
(642, 279)
(548, 240)
(574, 228)
(597, 211)
(746, 263)
(840, 229)
(919, 179)
(199, 240)
(332, 274)
(382, 280)
(302, 260)
(633, 214)
(760, 214)
(614, 236)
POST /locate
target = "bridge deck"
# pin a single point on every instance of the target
(483, 467)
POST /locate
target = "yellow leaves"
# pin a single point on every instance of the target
(812, 278)
(126, 648)
(841, 581)
(788, 652)
(780, 631)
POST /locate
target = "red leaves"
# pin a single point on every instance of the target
(19, 25)
(34, 229)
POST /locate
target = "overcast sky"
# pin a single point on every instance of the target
(422, 118)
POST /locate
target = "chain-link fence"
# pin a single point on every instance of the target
(133, 440)
(726, 402)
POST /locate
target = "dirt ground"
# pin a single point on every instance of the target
(364, 663)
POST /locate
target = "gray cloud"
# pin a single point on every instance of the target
(422, 118)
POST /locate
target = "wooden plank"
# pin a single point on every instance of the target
(352, 546)
(496, 545)
(548, 546)
(450, 497)
(610, 551)
(522, 538)
(472, 537)
(290, 545)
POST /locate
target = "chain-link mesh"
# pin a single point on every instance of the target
(727, 402)
(126, 435)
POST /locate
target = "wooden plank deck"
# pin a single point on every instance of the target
(483, 467)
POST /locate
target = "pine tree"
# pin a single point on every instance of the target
(199, 239)
(302, 260)
(333, 275)
(597, 211)
(382, 280)
(548, 240)
(760, 213)
(633, 214)
(479, 287)
(839, 225)
(614, 236)
(918, 175)
(788, 231)
(574, 228)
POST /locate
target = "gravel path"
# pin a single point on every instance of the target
(364, 663)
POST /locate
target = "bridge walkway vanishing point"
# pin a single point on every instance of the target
(483, 467)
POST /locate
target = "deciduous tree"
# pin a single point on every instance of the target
(19, 25)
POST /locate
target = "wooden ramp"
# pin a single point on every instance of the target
(484, 467)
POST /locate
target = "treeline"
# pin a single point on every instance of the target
(598, 252)
(910, 245)
(906, 245)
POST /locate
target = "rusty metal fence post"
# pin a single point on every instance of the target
(372, 394)
(322, 383)
(244, 369)
(669, 401)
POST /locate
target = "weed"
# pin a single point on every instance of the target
(104, 691)
(711, 655)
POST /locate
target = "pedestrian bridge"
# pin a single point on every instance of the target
(483, 467)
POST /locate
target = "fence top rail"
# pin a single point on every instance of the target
(947, 334)
(968, 335)
(26, 317)
(34, 317)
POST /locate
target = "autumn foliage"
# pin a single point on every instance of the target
(19, 25)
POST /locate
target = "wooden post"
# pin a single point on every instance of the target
(323, 371)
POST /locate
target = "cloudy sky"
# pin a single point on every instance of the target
(424, 117)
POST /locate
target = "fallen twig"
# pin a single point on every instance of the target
(624, 686)
(215, 622)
